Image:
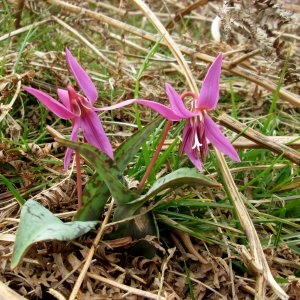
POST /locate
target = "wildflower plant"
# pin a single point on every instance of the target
(77, 108)
(109, 167)
(199, 125)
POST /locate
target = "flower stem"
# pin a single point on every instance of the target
(155, 156)
(78, 179)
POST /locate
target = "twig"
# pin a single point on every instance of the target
(241, 58)
(19, 13)
(5, 109)
(186, 239)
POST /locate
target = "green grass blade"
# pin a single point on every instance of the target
(13, 190)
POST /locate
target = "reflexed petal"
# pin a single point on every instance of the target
(82, 78)
(63, 96)
(177, 103)
(67, 158)
(94, 133)
(52, 104)
(73, 137)
(194, 159)
(165, 111)
(209, 94)
(218, 139)
(187, 143)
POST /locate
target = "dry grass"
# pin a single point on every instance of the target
(117, 36)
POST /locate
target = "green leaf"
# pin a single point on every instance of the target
(39, 224)
(178, 178)
(96, 193)
(106, 169)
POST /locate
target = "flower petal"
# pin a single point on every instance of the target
(177, 103)
(73, 137)
(56, 107)
(209, 94)
(218, 139)
(63, 96)
(187, 144)
(165, 111)
(94, 133)
(82, 78)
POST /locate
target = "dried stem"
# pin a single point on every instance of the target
(263, 140)
(256, 256)
(91, 253)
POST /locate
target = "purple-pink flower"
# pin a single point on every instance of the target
(199, 125)
(78, 109)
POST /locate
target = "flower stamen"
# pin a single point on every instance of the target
(197, 144)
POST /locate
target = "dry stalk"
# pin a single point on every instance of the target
(256, 256)
(91, 253)
(23, 29)
(184, 11)
(128, 289)
(245, 143)
(270, 86)
(263, 140)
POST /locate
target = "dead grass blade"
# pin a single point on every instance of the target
(256, 259)
(260, 139)
(7, 293)
(129, 289)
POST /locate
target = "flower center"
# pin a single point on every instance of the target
(79, 104)
(195, 137)
(199, 145)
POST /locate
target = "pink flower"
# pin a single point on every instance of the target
(199, 125)
(78, 109)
